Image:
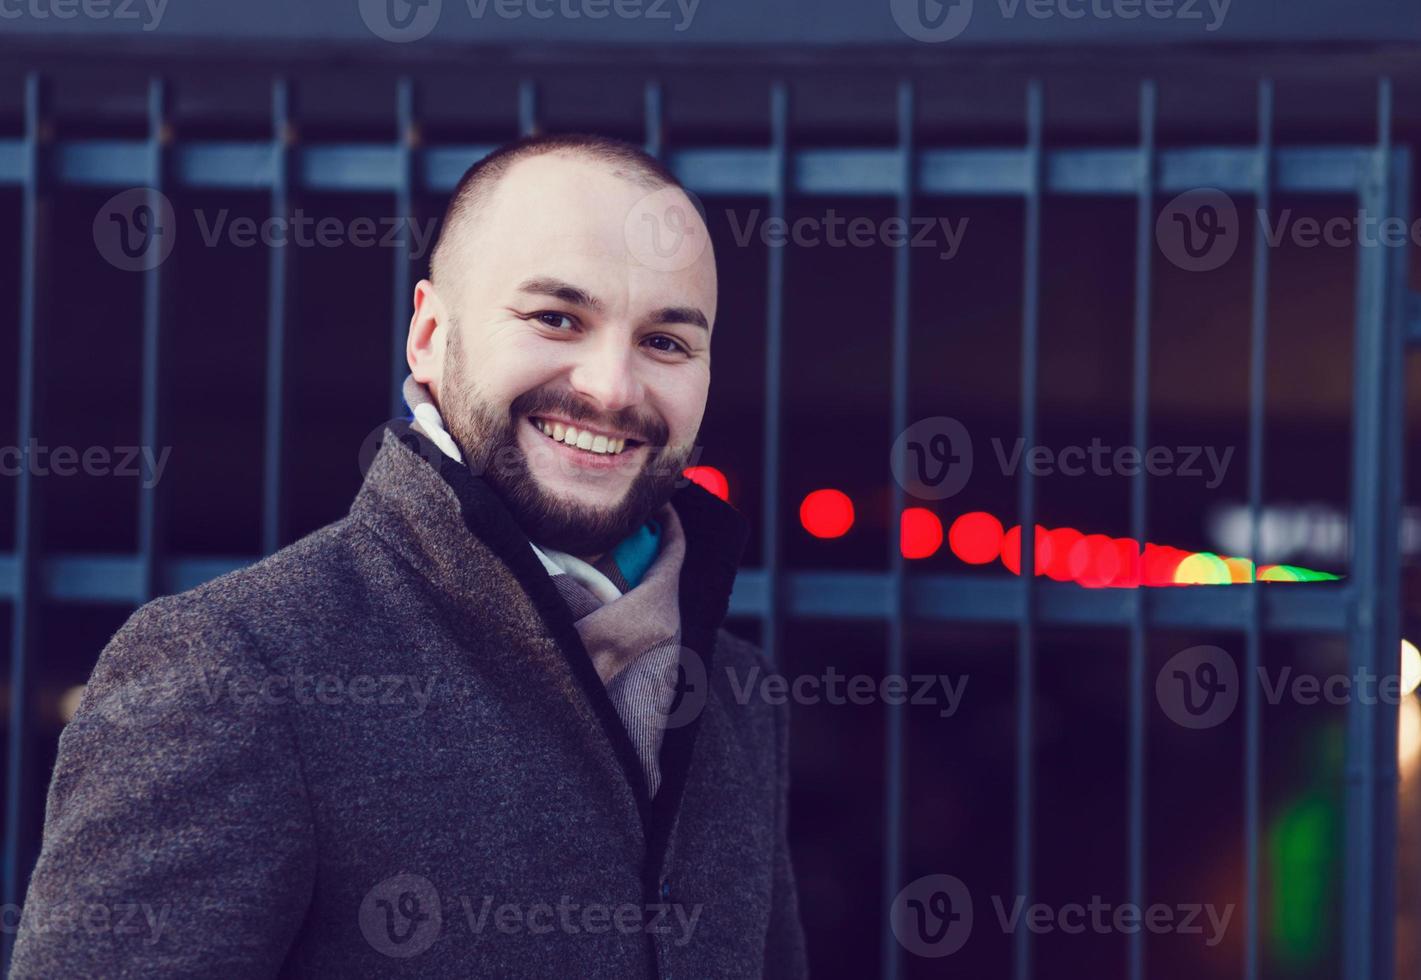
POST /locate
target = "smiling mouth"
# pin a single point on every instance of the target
(595, 443)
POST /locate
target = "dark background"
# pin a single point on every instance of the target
(842, 63)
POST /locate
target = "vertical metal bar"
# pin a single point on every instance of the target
(1370, 791)
(893, 784)
(528, 124)
(19, 825)
(654, 109)
(1144, 224)
(154, 343)
(1257, 379)
(774, 344)
(1390, 499)
(408, 128)
(280, 281)
(1026, 504)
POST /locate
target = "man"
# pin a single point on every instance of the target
(484, 725)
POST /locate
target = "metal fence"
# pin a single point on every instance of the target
(1364, 608)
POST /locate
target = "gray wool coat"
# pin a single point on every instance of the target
(383, 751)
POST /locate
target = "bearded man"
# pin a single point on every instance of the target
(487, 724)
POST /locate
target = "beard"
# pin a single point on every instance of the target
(488, 437)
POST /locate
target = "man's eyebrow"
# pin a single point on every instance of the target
(565, 291)
(680, 314)
(577, 296)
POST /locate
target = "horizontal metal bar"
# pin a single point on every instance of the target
(843, 171)
(1297, 607)
(101, 163)
(444, 165)
(13, 166)
(226, 165)
(982, 599)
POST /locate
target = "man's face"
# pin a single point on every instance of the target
(578, 354)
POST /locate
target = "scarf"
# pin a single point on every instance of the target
(624, 606)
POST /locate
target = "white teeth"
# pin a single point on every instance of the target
(558, 432)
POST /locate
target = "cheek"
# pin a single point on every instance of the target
(511, 368)
(682, 403)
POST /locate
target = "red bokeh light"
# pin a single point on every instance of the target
(827, 513)
(920, 533)
(710, 478)
(1055, 553)
(976, 538)
(1011, 550)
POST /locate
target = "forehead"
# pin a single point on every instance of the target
(572, 219)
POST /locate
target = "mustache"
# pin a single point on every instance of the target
(645, 428)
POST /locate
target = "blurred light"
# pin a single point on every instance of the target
(1408, 735)
(1127, 554)
(1094, 561)
(920, 533)
(827, 513)
(710, 478)
(1292, 573)
(976, 538)
(69, 703)
(1159, 564)
(1410, 667)
(1056, 553)
(1011, 549)
(1202, 568)
(1240, 569)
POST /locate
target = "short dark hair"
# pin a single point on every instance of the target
(625, 160)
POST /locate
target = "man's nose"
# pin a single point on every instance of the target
(606, 373)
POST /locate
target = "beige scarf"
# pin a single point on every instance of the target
(633, 635)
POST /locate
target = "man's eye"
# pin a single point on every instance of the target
(667, 345)
(557, 321)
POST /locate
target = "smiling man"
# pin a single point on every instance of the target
(485, 725)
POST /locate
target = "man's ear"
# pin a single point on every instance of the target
(424, 348)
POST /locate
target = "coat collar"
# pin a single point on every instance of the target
(458, 533)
